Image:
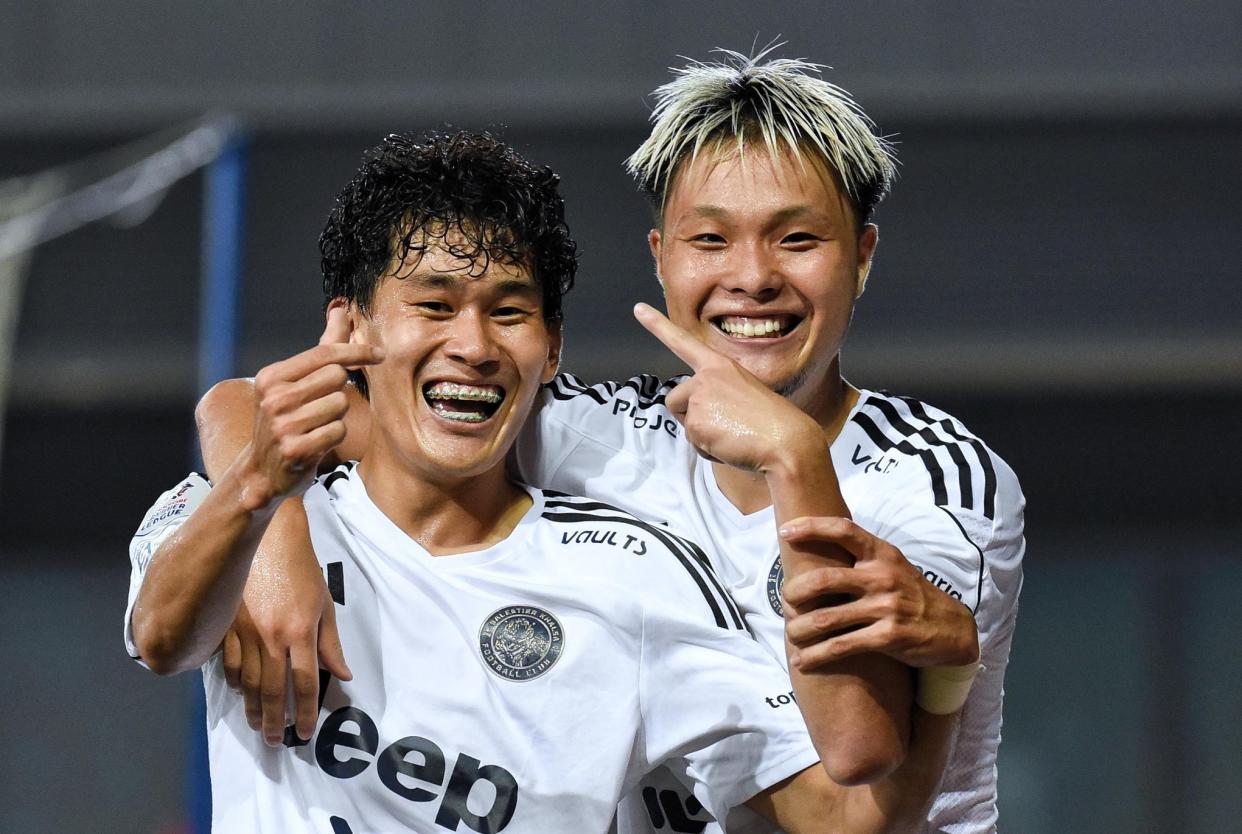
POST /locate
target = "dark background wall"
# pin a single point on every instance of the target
(1058, 267)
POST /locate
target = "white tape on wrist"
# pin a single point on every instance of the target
(943, 689)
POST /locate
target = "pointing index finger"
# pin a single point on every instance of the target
(684, 346)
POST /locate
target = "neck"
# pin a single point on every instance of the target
(445, 515)
(829, 404)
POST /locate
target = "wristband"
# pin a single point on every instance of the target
(943, 689)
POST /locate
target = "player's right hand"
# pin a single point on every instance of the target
(728, 414)
(301, 405)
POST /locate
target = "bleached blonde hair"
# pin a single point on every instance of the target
(783, 103)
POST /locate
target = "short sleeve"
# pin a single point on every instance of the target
(717, 709)
(164, 518)
(968, 554)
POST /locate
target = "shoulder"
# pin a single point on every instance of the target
(659, 565)
(928, 450)
(939, 493)
(635, 405)
(643, 391)
(174, 505)
(577, 431)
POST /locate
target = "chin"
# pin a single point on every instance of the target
(791, 385)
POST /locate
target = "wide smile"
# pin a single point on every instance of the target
(756, 327)
(460, 402)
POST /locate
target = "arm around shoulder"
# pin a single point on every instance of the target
(192, 586)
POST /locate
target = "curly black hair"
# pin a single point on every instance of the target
(411, 193)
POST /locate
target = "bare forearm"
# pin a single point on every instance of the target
(811, 803)
(195, 580)
(858, 708)
(899, 803)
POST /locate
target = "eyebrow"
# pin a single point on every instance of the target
(787, 213)
(448, 280)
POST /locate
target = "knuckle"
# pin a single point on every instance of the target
(268, 627)
(282, 426)
(844, 527)
(822, 620)
(264, 378)
(290, 448)
(273, 403)
(338, 402)
(820, 581)
(886, 581)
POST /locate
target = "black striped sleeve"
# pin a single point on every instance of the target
(981, 452)
(882, 441)
(565, 510)
(567, 387)
(650, 389)
(918, 434)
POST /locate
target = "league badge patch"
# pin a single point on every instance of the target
(776, 578)
(173, 504)
(521, 642)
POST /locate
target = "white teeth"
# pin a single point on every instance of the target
(453, 391)
(442, 395)
(747, 327)
(458, 416)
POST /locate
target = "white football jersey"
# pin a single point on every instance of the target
(524, 687)
(911, 474)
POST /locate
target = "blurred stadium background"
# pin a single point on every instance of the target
(1059, 267)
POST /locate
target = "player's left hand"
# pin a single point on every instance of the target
(285, 629)
(729, 415)
(893, 610)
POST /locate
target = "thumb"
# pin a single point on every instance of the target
(331, 655)
(336, 330)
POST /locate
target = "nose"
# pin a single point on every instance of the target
(471, 341)
(753, 272)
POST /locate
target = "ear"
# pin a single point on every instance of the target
(867, 241)
(653, 243)
(359, 331)
(555, 341)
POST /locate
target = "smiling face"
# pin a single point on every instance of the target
(761, 259)
(466, 351)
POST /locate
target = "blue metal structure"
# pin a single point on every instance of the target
(222, 243)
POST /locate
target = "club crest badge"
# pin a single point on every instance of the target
(521, 642)
(776, 579)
